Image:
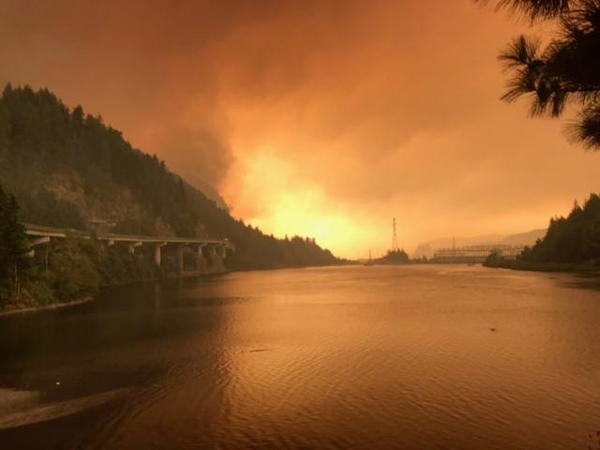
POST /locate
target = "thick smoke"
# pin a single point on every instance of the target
(320, 118)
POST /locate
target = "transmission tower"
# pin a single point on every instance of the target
(394, 236)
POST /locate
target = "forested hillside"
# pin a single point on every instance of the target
(571, 239)
(67, 168)
(571, 243)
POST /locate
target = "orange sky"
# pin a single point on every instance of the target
(318, 118)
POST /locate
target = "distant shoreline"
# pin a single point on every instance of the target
(584, 269)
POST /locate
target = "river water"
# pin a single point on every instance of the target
(415, 357)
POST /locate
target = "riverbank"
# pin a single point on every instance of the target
(586, 269)
(14, 309)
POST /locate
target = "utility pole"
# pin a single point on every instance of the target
(394, 236)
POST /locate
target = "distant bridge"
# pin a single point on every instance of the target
(217, 249)
(475, 253)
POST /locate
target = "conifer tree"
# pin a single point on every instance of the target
(13, 246)
(564, 72)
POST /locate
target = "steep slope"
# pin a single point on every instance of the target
(68, 169)
(527, 238)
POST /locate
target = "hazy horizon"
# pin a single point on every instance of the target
(322, 120)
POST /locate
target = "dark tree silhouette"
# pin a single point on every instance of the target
(564, 72)
(574, 239)
(394, 257)
(537, 8)
(13, 260)
(571, 239)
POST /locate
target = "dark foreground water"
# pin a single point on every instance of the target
(419, 357)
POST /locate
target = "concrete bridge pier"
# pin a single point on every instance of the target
(132, 246)
(201, 263)
(180, 249)
(212, 254)
(35, 242)
(217, 258)
(157, 253)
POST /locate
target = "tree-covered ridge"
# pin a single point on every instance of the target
(41, 138)
(571, 243)
(574, 239)
(67, 168)
(393, 257)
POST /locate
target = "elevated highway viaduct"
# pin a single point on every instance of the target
(215, 249)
